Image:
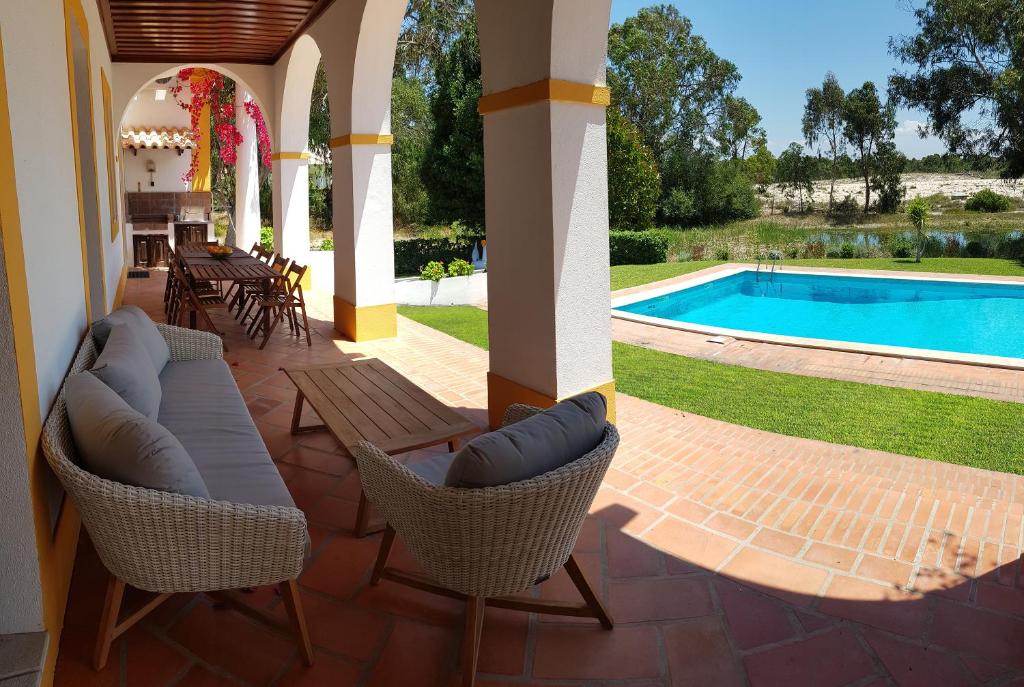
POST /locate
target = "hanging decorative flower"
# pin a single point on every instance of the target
(206, 87)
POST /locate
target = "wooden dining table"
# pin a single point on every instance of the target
(239, 267)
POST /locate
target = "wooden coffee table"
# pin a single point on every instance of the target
(366, 400)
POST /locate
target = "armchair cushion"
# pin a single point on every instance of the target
(544, 442)
(144, 328)
(118, 443)
(125, 367)
(433, 469)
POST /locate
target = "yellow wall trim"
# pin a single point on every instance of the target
(502, 392)
(289, 156)
(546, 90)
(364, 323)
(362, 140)
(108, 139)
(122, 282)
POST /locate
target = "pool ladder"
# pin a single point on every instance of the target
(771, 271)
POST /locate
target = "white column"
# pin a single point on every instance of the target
(546, 194)
(247, 183)
(291, 205)
(364, 259)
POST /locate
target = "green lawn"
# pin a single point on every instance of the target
(953, 429)
(625, 276)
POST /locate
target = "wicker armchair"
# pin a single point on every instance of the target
(484, 545)
(167, 543)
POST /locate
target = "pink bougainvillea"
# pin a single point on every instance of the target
(206, 88)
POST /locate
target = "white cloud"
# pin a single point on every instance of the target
(909, 126)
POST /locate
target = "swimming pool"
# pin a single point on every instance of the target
(975, 321)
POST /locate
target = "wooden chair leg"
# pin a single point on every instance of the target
(471, 639)
(305, 324)
(382, 554)
(362, 515)
(293, 603)
(108, 622)
(587, 593)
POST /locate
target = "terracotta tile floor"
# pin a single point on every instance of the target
(928, 375)
(729, 556)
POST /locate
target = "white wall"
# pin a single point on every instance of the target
(170, 167)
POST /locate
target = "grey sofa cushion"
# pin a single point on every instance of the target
(120, 444)
(145, 329)
(204, 409)
(547, 441)
(434, 468)
(125, 367)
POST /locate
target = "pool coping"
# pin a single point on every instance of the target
(661, 288)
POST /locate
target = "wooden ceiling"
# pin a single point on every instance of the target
(254, 31)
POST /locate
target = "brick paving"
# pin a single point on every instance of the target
(728, 556)
(927, 375)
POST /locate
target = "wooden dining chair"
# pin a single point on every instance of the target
(279, 264)
(190, 301)
(286, 301)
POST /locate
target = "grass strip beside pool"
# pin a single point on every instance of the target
(953, 429)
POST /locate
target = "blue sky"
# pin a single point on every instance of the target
(784, 47)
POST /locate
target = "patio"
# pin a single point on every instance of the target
(726, 556)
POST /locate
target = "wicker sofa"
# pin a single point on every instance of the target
(167, 542)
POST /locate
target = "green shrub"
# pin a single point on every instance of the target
(433, 271)
(722, 253)
(327, 244)
(847, 251)
(792, 252)
(412, 254)
(634, 184)
(459, 268)
(987, 200)
(901, 246)
(267, 238)
(637, 247)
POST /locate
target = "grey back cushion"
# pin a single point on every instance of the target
(117, 443)
(125, 367)
(143, 327)
(541, 443)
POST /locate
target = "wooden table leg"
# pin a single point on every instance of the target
(297, 413)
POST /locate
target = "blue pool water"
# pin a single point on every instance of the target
(985, 319)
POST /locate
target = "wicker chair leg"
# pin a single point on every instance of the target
(471, 639)
(293, 603)
(594, 603)
(108, 622)
(382, 555)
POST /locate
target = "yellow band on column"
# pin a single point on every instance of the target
(362, 140)
(289, 156)
(363, 323)
(545, 90)
(502, 392)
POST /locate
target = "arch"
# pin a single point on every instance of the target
(131, 77)
(297, 72)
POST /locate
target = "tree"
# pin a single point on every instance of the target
(321, 199)
(823, 124)
(737, 131)
(968, 74)
(665, 79)
(887, 177)
(867, 122)
(794, 172)
(453, 168)
(412, 126)
(917, 212)
(634, 184)
(702, 189)
(429, 30)
(761, 167)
